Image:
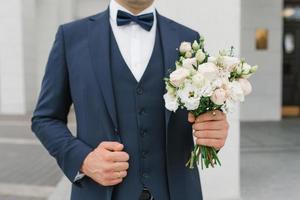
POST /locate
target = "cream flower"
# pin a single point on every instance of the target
(185, 47)
(230, 62)
(235, 91)
(178, 76)
(208, 70)
(200, 56)
(195, 45)
(219, 96)
(189, 63)
(246, 68)
(246, 86)
(198, 80)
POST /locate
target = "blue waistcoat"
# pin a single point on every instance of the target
(141, 119)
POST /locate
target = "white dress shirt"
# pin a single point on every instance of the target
(135, 43)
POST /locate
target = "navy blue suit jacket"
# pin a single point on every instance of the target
(78, 72)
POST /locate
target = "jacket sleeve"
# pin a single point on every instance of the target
(49, 121)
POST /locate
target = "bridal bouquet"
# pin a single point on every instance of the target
(202, 83)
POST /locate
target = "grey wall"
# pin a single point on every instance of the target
(84, 8)
(11, 58)
(265, 101)
(29, 57)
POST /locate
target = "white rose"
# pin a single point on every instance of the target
(208, 70)
(200, 56)
(198, 80)
(235, 91)
(189, 63)
(230, 62)
(185, 47)
(218, 96)
(246, 86)
(178, 76)
(171, 102)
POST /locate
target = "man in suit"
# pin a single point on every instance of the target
(128, 146)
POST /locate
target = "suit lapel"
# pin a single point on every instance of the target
(170, 42)
(99, 44)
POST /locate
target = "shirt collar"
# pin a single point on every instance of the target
(115, 6)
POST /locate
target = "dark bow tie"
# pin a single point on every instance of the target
(145, 20)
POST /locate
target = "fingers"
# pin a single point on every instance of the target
(120, 166)
(113, 182)
(211, 116)
(211, 129)
(107, 164)
(217, 144)
(116, 156)
(209, 134)
(191, 118)
(117, 175)
(111, 146)
(108, 181)
(210, 125)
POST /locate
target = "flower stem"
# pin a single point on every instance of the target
(208, 157)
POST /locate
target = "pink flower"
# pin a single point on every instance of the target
(219, 96)
(246, 86)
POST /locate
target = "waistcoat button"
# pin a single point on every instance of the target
(145, 175)
(142, 111)
(143, 133)
(144, 154)
(139, 91)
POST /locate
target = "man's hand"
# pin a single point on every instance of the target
(210, 129)
(107, 164)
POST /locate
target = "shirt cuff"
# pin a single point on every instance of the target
(79, 176)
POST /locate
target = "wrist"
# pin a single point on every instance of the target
(83, 168)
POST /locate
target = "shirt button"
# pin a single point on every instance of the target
(139, 91)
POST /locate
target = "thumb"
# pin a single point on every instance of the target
(112, 146)
(191, 118)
